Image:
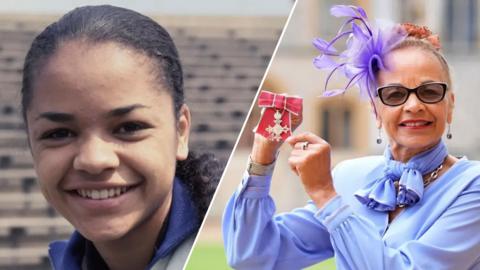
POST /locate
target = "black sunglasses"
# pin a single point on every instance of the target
(395, 95)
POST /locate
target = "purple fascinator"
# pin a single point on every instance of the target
(366, 47)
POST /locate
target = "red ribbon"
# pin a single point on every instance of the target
(280, 101)
(275, 123)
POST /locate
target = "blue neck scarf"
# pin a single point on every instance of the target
(381, 195)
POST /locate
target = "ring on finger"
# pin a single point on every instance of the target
(305, 145)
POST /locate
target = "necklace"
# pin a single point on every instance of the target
(432, 177)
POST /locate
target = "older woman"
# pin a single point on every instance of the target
(415, 207)
(108, 129)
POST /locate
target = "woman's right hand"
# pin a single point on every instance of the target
(264, 151)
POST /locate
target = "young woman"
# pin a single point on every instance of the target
(415, 207)
(108, 129)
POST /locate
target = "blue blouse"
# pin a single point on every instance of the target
(442, 231)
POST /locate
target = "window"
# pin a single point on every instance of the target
(461, 26)
(336, 126)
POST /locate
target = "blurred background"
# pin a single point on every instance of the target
(224, 46)
(347, 122)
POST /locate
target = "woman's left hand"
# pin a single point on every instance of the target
(312, 164)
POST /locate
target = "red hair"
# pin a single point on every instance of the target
(422, 33)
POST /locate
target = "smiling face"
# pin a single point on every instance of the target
(104, 139)
(414, 126)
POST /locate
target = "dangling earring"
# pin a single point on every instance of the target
(379, 138)
(449, 133)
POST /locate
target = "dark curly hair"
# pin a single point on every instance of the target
(133, 30)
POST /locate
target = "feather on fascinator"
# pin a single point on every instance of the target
(366, 47)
